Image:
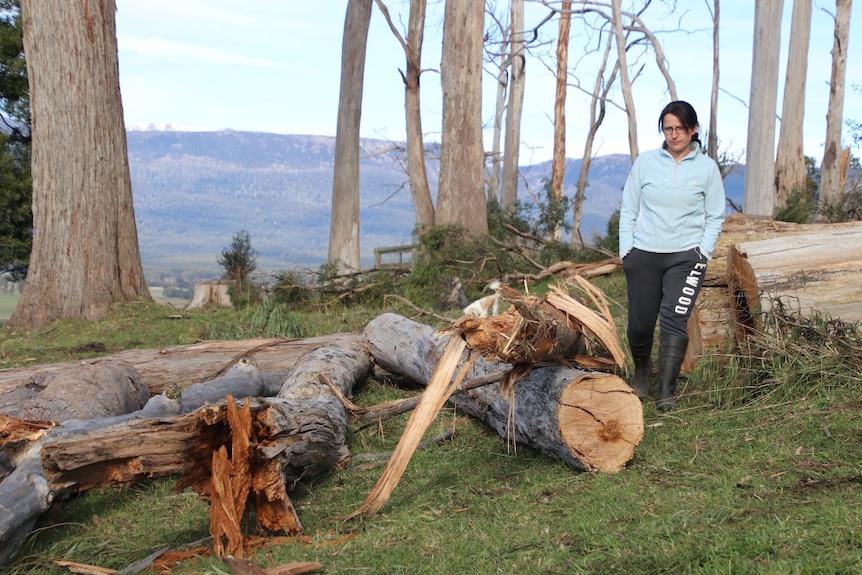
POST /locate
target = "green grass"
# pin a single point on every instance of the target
(727, 484)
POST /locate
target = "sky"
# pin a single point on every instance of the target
(274, 66)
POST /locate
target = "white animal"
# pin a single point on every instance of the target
(485, 306)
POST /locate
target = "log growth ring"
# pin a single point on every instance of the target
(600, 432)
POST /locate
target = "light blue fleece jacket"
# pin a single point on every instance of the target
(671, 206)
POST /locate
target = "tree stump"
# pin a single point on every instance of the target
(214, 292)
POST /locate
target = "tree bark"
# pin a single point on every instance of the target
(84, 390)
(712, 137)
(759, 198)
(812, 273)
(512, 148)
(417, 174)
(724, 312)
(461, 194)
(790, 173)
(186, 365)
(625, 82)
(830, 174)
(344, 226)
(558, 165)
(300, 433)
(85, 252)
(592, 421)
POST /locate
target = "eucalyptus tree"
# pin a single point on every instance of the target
(85, 253)
(831, 172)
(461, 194)
(791, 172)
(759, 195)
(417, 172)
(344, 220)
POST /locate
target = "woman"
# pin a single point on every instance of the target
(671, 215)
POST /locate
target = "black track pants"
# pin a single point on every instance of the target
(663, 286)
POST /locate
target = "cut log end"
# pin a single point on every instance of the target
(601, 421)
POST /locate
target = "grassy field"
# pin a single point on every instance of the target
(9, 301)
(759, 471)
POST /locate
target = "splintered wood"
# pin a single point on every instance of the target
(599, 419)
(232, 485)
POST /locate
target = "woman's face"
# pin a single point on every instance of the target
(677, 138)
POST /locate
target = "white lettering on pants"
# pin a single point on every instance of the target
(692, 281)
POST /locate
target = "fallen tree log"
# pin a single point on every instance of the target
(87, 390)
(714, 327)
(812, 273)
(591, 420)
(299, 434)
(94, 389)
(185, 365)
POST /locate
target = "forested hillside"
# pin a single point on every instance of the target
(194, 190)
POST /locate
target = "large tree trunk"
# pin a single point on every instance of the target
(344, 226)
(813, 273)
(461, 196)
(781, 258)
(184, 366)
(590, 420)
(831, 172)
(759, 199)
(511, 151)
(85, 245)
(790, 173)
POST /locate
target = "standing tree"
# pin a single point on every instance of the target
(461, 197)
(240, 259)
(831, 173)
(85, 245)
(420, 191)
(500, 58)
(625, 82)
(790, 170)
(759, 195)
(344, 222)
(558, 165)
(511, 151)
(712, 136)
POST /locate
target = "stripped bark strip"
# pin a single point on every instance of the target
(439, 389)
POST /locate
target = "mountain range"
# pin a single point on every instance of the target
(193, 191)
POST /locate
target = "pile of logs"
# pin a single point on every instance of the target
(240, 422)
(810, 268)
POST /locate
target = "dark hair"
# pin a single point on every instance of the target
(686, 114)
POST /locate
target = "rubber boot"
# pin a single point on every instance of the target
(671, 352)
(643, 367)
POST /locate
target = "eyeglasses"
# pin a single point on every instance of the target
(674, 130)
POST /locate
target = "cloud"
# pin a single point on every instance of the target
(159, 48)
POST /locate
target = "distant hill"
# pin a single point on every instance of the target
(194, 190)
